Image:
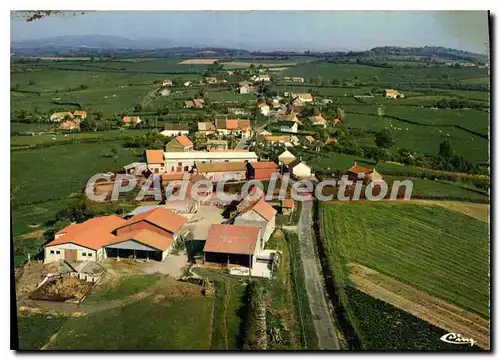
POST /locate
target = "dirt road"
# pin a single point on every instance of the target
(327, 339)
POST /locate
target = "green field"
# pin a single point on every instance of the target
(53, 173)
(436, 250)
(181, 324)
(34, 331)
(385, 327)
(394, 75)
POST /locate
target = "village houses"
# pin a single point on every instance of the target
(172, 129)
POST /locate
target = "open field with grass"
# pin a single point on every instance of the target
(448, 259)
(35, 331)
(418, 303)
(53, 173)
(168, 324)
(331, 71)
(125, 286)
(52, 139)
(382, 326)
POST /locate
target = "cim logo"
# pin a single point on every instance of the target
(452, 338)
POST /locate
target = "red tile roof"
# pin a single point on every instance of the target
(154, 156)
(287, 203)
(92, 234)
(232, 124)
(264, 209)
(264, 165)
(359, 169)
(161, 217)
(232, 239)
(147, 237)
(184, 140)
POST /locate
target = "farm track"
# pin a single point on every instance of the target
(418, 303)
(327, 338)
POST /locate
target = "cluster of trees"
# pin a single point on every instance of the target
(151, 140)
(458, 104)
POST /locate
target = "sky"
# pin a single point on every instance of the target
(275, 30)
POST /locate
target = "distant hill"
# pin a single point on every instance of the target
(121, 47)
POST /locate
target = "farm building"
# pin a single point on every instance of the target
(260, 77)
(211, 80)
(179, 143)
(164, 82)
(290, 117)
(355, 172)
(264, 109)
(184, 161)
(131, 120)
(234, 170)
(155, 162)
(234, 126)
(287, 206)
(299, 169)
(265, 133)
(309, 139)
(260, 211)
(246, 87)
(238, 111)
(296, 79)
(59, 116)
(330, 140)
(286, 157)
(300, 99)
(232, 245)
(206, 128)
(69, 125)
(318, 120)
(80, 114)
(82, 242)
(188, 104)
(175, 129)
(150, 234)
(288, 126)
(286, 140)
(164, 92)
(393, 94)
(275, 103)
(261, 170)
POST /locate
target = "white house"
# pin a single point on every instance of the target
(184, 161)
(289, 127)
(264, 109)
(175, 130)
(301, 170)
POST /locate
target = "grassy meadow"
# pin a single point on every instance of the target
(439, 251)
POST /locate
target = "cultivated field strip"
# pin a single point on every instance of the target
(429, 308)
(439, 251)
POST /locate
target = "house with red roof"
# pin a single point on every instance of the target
(179, 143)
(258, 212)
(155, 161)
(368, 175)
(150, 234)
(261, 170)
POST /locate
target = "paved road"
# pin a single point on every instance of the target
(323, 323)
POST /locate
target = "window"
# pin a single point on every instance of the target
(186, 168)
(89, 254)
(179, 164)
(173, 169)
(51, 251)
(83, 254)
(156, 170)
(58, 252)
